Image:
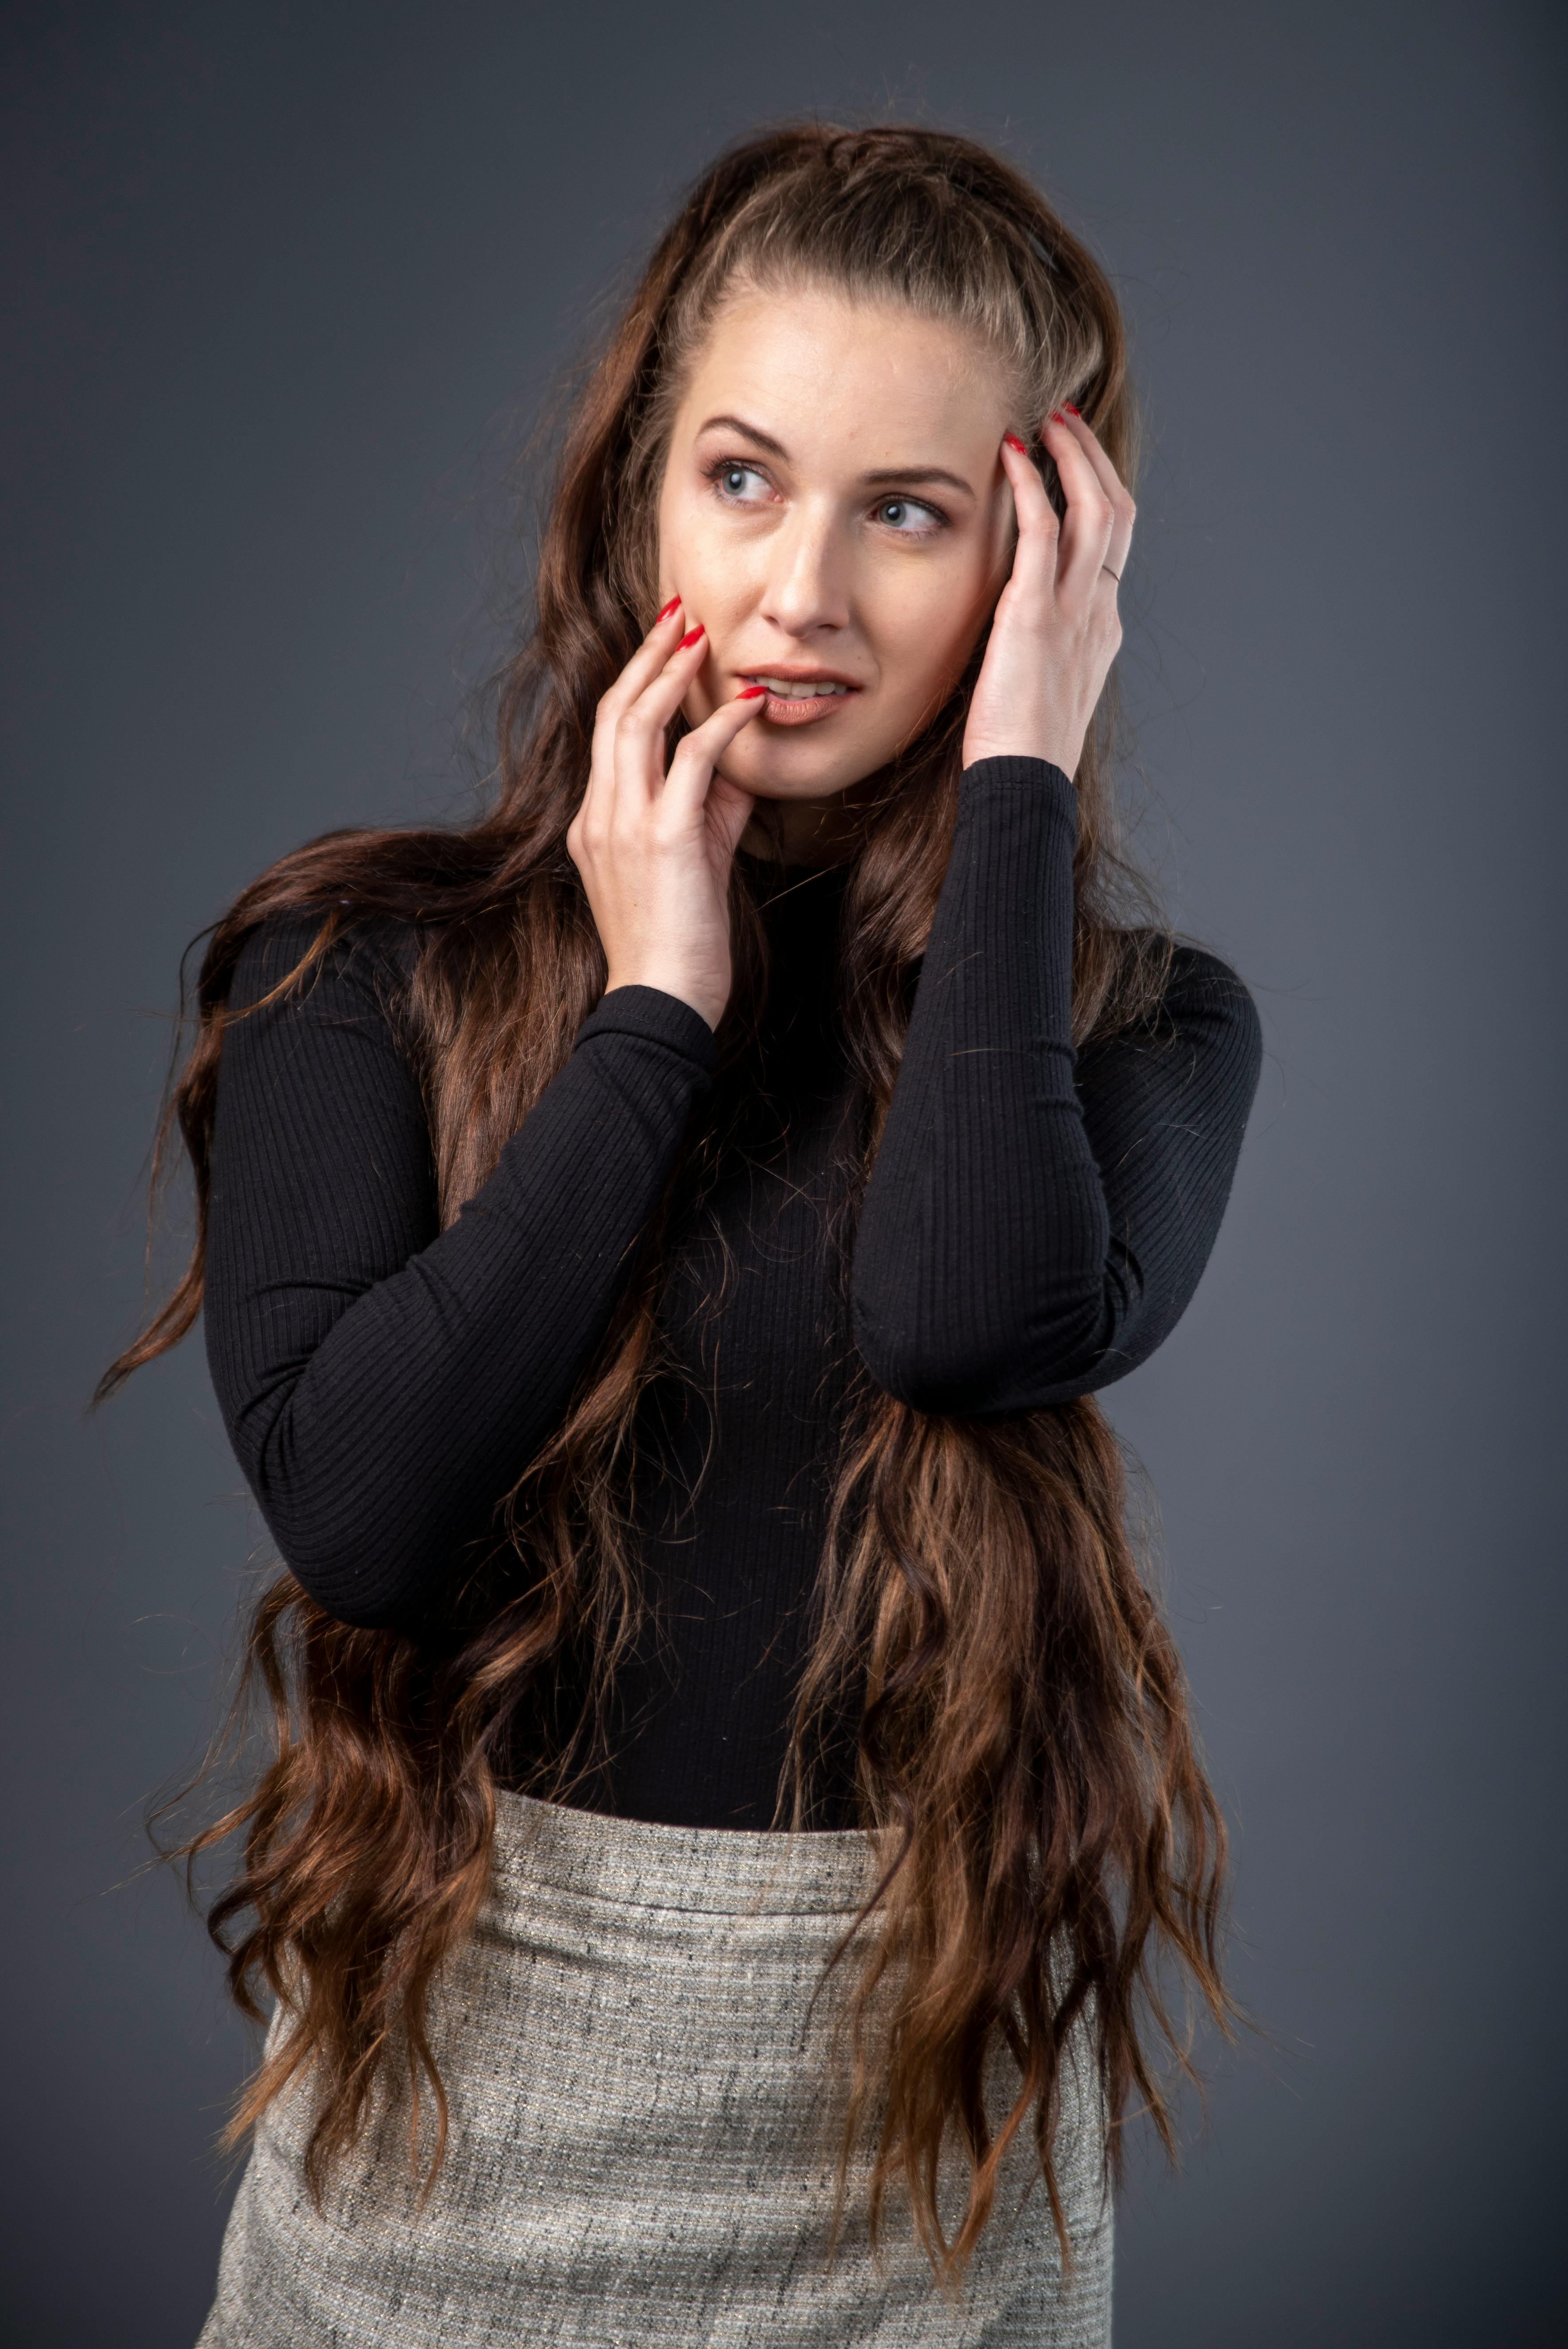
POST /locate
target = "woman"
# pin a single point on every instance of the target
(659, 1245)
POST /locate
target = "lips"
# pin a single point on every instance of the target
(804, 699)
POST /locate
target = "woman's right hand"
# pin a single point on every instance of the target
(654, 850)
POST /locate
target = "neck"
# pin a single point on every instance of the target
(805, 832)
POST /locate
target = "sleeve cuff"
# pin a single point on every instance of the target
(658, 1019)
(1029, 774)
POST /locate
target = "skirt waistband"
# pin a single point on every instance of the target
(715, 1871)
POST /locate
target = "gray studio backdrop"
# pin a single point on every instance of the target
(283, 285)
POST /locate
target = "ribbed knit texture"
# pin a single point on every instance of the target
(1034, 1226)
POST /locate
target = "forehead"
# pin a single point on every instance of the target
(843, 381)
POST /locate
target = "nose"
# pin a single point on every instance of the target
(808, 584)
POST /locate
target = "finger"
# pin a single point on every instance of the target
(640, 728)
(1124, 511)
(646, 662)
(728, 810)
(697, 756)
(1115, 488)
(1037, 555)
(1110, 481)
(1090, 518)
(628, 761)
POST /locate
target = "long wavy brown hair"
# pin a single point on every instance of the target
(1026, 1759)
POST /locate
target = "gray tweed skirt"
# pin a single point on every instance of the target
(642, 2146)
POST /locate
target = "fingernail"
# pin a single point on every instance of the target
(673, 606)
(1013, 441)
(1057, 416)
(1074, 411)
(750, 692)
(690, 637)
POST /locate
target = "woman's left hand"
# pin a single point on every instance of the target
(1056, 630)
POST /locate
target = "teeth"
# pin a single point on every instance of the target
(795, 689)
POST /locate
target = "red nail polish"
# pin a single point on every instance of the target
(673, 606)
(690, 637)
(1074, 411)
(1013, 441)
(1057, 417)
(750, 692)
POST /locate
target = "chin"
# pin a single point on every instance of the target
(791, 770)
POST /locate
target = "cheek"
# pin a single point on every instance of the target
(696, 561)
(930, 622)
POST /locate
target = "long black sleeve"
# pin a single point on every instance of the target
(1036, 1224)
(384, 1382)
(1032, 1228)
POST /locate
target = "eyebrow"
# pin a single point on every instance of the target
(883, 475)
(893, 473)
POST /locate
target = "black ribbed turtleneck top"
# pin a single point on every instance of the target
(1036, 1221)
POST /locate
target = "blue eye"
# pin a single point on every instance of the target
(733, 480)
(906, 515)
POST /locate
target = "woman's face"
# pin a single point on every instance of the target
(834, 511)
